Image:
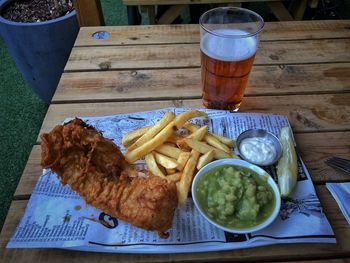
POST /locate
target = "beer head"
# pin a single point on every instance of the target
(227, 44)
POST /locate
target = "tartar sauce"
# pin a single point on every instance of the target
(258, 150)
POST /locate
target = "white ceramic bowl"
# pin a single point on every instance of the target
(260, 172)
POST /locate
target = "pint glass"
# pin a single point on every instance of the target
(229, 40)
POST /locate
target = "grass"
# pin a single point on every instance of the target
(22, 113)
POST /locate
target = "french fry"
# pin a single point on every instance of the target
(152, 144)
(182, 118)
(182, 160)
(154, 130)
(168, 150)
(183, 145)
(131, 136)
(174, 177)
(183, 186)
(205, 159)
(152, 165)
(191, 127)
(165, 161)
(162, 169)
(213, 141)
(203, 148)
(170, 171)
(199, 133)
(174, 138)
(227, 141)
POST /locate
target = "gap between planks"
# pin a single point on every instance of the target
(60, 102)
(188, 56)
(135, 35)
(194, 67)
(197, 42)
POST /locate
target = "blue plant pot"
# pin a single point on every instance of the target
(41, 49)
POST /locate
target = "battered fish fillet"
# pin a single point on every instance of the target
(95, 168)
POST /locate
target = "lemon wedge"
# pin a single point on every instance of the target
(287, 167)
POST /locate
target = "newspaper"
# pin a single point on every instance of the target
(341, 194)
(57, 217)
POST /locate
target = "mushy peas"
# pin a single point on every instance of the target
(235, 197)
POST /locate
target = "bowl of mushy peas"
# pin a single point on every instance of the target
(236, 196)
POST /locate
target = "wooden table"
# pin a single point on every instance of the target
(302, 70)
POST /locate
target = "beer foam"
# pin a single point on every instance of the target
(229, 48)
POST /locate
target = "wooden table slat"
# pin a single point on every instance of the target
(314, 149)
(186, 83)
(280, 252)
(188, 55)
(140, 35)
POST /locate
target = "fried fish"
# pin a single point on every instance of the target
(94, 167)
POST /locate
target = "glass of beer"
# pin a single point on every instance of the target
(229, 40)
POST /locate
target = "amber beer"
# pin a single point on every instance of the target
(226, 64)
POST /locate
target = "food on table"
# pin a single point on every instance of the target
(184, 185)
(127, 140)
(234, 196)
(227, 141)
(203, 148)
(95, 168)
(173, 156)
(287, 167)
(152, 131)
(157, 139)
(205, 159)
(259, 146)
(259, 150)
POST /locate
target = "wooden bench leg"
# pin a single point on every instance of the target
(171, 14)
(151, 14)
(280, 11)
(134, 17)
(313, 3)
(298, 9)
(89, 12)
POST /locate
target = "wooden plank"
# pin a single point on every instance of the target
(89, 12)
(186, 83)
(30, 175)
(307, 113)
(184, 2)
(166, 34)
(314, 149)
(180, 55)
(280, 252)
